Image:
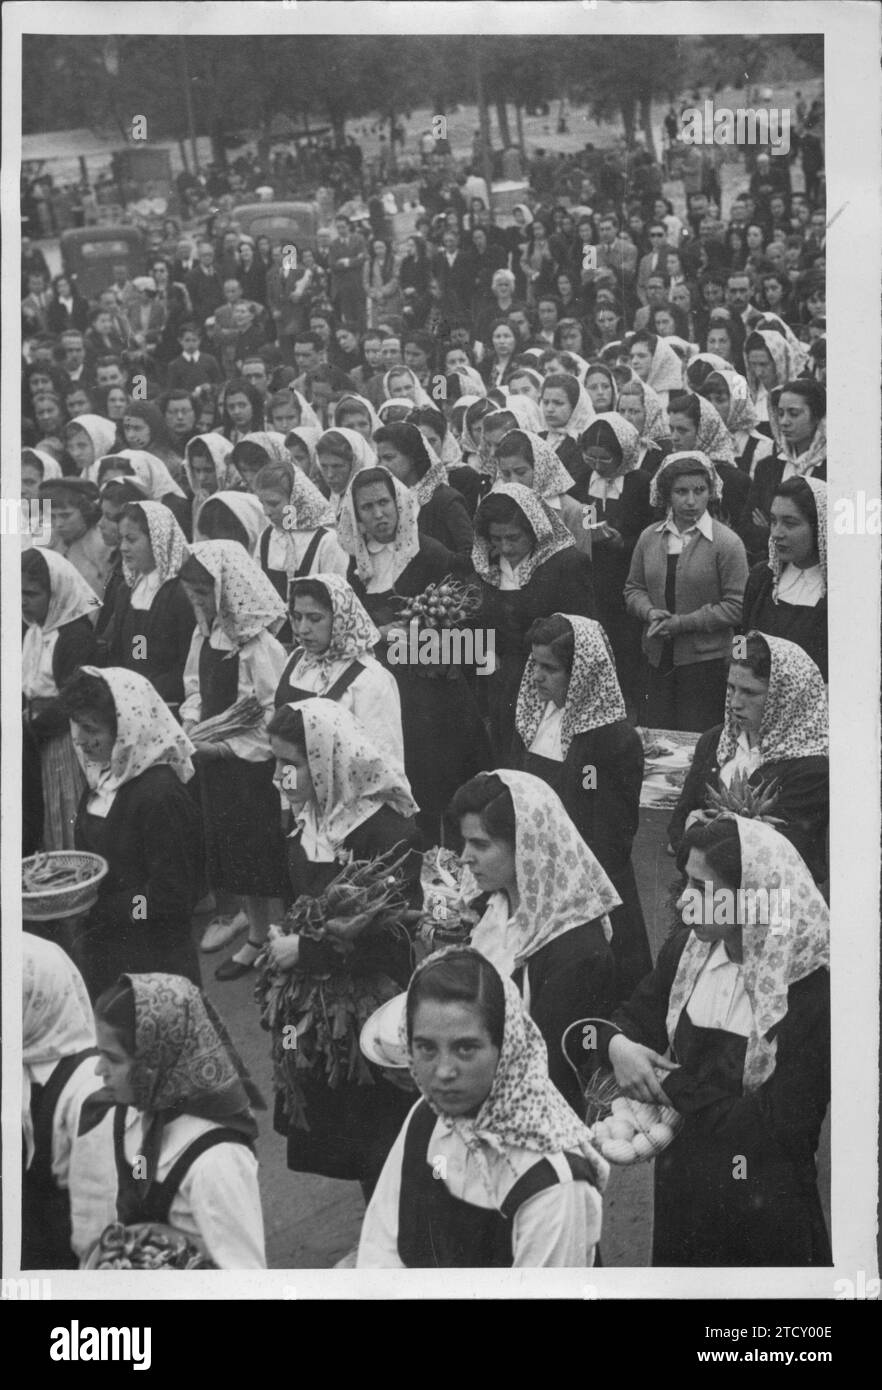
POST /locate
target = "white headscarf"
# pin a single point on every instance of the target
(560, 882)
(363, 404)
(102, 435)
(363, 455)
(406, 542)
(580, 418)
(219, 450)
(665, 369)
(57, 1019)
(51, 466)
(147, 735)
(70, 597)
(271, 441)
(773, 959)
(421, 396)
(152, 474)
(167, 541)
(247, 511)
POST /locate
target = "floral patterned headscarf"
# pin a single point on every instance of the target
(351, 777)
(406, 543)
(310, 508)
(56, 1016)
(694, 456)
(550, 532)
(776, 955)
(550, 478)
(524, 1109)
(102, 436)
(272, 442)
(628, 443)
(794, 722)
(147, 735)
(246, 601)
(742, 411)
(594, 697)
(580, 418)
(819, 491)
(420, 395)
(787, 362)
(560, 881)
(656, 429)
(167, 541)
(353, 634)
(362, 454)
(712, 436)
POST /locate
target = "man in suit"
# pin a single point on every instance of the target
(615, 253)
(193, 368)
(346, 259)
(184, 261)
(654, 262)
(453, 270)
(35, 305)
(204, 285)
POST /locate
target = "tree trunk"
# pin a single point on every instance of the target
(338, 126)
(519, 116)
(628, 114)
(218, 144)
(646, 122)
(502, 118)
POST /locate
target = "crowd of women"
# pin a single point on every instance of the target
(605, 440)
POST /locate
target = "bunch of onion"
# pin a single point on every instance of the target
(446, 604)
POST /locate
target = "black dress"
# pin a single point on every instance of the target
(599, 783)
(629, 514)
(705, 1213)
(152, 840)
(280, 579)
(563, 584)
(768, 474)
(803, 803)
(352, 1127)
(799, 623)
(165, 630)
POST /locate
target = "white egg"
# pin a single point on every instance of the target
(618, 1151)
(620, 1103)
(660, 1134)
(642, 1146)
(668, 1115)
(620, 1128)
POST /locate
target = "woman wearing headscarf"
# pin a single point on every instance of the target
(494, 1170)
(152, 622)
(655, 362)
(253, 451)
(288, 407)
(137, 813)
(65, 1176)
(786, 595)
(176, 1113)
(798, 416)
(695, 424)
(348, 802)
(355, 412)
(617, 492)
(334, 658)
(231, 516)
(685, 585)
(572, 731)
(209, 468)
(301, 536)
(76, 535)
(542, 901)
(567, 412)
(37, 467)
(59, 609)
(770, 361)
(234, 655)
(644, 409)
(144, 428)
(736, 1014)
(402, 383)
(526, 458)
(88, 438)
(728, 393)
(442, 511)
(774, 733)
(602, 387)
(156, 481)
(529, 568)
(301, 444)
(340, 454)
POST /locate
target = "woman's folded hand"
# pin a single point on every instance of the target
(635, 1067)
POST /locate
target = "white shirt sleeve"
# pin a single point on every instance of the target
(191, 708)
(222, 1196)
(84, 1164)
(378, 1246)
(373, 699)
(261, 663)
(331, 558)
(559, 1227)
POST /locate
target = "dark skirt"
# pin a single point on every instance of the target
(244, 849)
(351, 1128)
(445, 742)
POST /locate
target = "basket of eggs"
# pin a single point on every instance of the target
(625, 1131)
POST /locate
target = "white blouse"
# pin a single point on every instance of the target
(558, 1228)
(547, 740)
(145, 590)
(286, 550)
(802, 587)
(382, 568)
(261, 663)
(746, 759)
(719, 999)
(372, 698)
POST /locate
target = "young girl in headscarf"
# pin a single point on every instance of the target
(526, 458)
(786, 595)
(736, 1014)
(567, 412)
(602, 388)
(152, 622)
(403, 383)
(572, 731)
(770, 361)
(492, 1168)
(340, 455)
(231, 516)
(144, 428)
(655, 362)
(209, 469)
(176, 1112)
(154, 478)
(686, 584)
(798, 416)
(75, 512)
(617, 492)
(529, 568)
(775, 732)
(233, 654)
(300, 538)
(543, 903)
(89, 438)
(695, 424)
(65, 1177)
(442, 510)
(642, 408)
(355, 412)
(137, 813)
(347, 800)
(60, 610)
(728, 393)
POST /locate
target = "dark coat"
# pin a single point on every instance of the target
(75, 647)
(769, 473)
(167, 627)
(432, 562)
(807, 627)
(445, 518)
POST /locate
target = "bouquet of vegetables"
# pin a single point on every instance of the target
(246, 713)
(446, 604)
(316, 1019)
(627, 1131)
(741, 799)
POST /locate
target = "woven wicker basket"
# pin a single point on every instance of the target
(652, 1127)
(70, 900)
(194, 1247)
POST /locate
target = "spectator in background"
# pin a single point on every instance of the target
(204, 284)
(346, 259)
(193, 367)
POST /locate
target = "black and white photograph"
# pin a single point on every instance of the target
(441, 805)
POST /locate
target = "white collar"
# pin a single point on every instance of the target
(704, 524)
